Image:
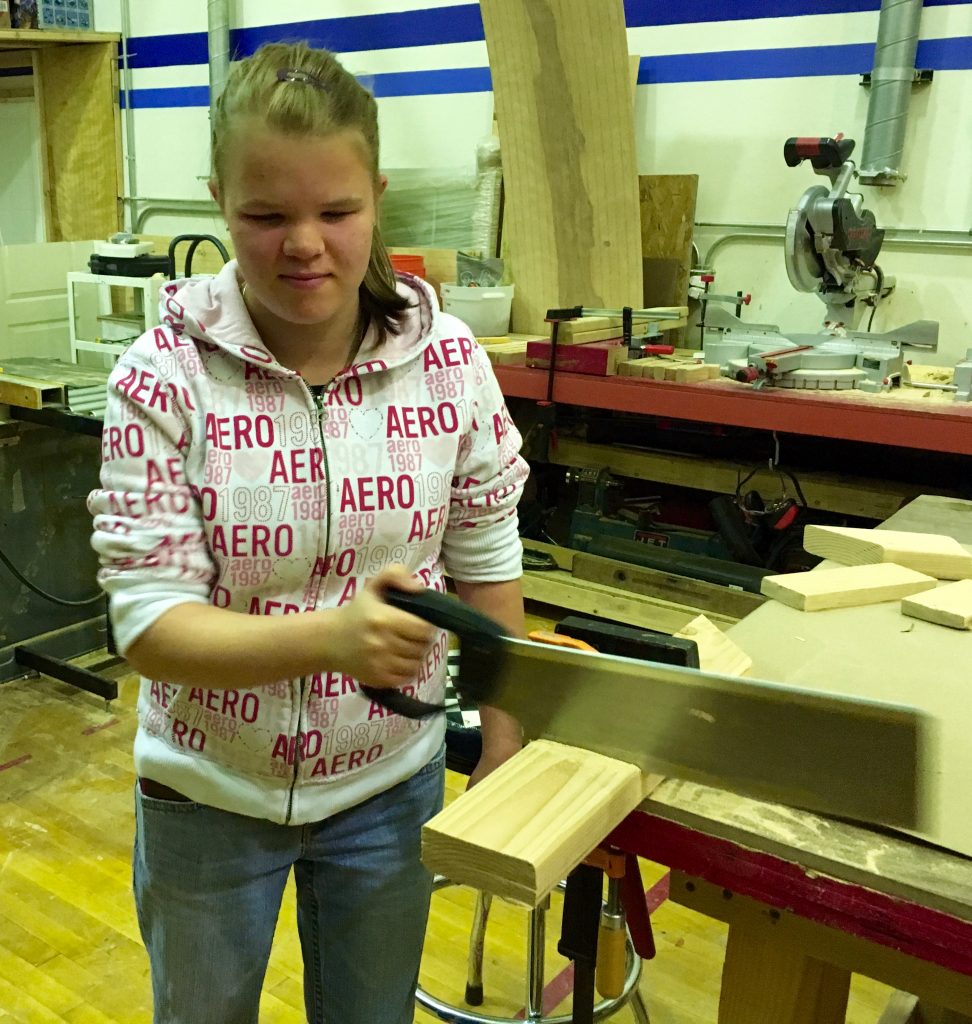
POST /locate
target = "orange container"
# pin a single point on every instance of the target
(408, 263)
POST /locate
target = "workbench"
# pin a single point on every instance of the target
(906, 417)
(810, 899)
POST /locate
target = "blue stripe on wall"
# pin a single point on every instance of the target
(431, 27)
(405, 83)
(463, 23)
(795, 62)
(15, 72)
(729, 65)
(640, 13)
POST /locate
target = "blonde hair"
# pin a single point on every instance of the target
(300, 90)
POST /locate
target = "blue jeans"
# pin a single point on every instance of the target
(208, 886)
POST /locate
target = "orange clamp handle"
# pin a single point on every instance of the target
(546, 636)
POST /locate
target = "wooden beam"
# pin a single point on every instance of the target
(855, 496)
(534, 819)
(847, 587)
(562, 92)
(930, 553)
(706, 597)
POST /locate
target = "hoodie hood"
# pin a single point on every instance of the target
(211, 310)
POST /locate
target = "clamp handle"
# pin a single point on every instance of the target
(481, 651)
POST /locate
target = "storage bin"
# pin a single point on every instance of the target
(486, 310)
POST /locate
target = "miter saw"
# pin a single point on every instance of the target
(831, 247)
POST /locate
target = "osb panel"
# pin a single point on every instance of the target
(78, 102)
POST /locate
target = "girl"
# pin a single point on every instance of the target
(304, 431)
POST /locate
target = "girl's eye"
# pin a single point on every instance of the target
(333, 216)
(264, 218)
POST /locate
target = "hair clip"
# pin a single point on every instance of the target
(296, 75)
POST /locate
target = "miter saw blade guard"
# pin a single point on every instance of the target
(832, 243)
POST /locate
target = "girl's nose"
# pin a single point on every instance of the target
(303, 241)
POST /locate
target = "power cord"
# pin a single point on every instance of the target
(64, 602)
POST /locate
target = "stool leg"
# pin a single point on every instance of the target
(535, 960)
(639, 1009)
(477, 937)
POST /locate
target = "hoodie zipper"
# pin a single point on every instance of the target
(318, 400)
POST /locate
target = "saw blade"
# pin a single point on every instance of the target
(837, 755)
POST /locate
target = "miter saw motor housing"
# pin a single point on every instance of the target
(832, 242)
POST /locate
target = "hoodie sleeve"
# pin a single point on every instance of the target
(148, 527)
(481, 542)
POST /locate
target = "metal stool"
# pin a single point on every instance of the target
(535, 971)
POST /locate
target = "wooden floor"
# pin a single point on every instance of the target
(69, 943)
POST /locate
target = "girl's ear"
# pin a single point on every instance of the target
(214, 192)
(381, 186)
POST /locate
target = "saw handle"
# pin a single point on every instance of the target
(480, 650)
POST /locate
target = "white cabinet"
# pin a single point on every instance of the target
(123, 308)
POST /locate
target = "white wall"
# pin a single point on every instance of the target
(21, 201)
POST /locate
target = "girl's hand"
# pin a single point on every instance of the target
(377, 644)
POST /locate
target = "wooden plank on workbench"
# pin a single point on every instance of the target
(849, 586)
(27, 393)
(562, 94)
(931, 553)
(667, 586)
(857, 496)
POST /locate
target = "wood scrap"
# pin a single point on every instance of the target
(942, 557)
(846, 587)
(950, 605)
(530, 822)
(717, 652)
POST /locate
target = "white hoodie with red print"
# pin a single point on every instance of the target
(224, 484)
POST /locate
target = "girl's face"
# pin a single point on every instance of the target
(301, 211)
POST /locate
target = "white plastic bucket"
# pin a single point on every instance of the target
(486, 310)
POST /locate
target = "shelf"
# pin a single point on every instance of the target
(36, 38)
(933, 423)
(104, 347)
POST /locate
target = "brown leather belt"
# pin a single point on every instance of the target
(157, 791)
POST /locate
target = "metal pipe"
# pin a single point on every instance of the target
(219, 49)
(891, 80)
(901, 238)
(130, 162)
(189, 208)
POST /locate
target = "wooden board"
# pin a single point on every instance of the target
(28, 393)
(857, 496)
(950, 605)
(707, 597)
(717, 652)
(667, 222)
(942, 557)
(77, 88)
(846, 587)
(530, 822)
(562, 94)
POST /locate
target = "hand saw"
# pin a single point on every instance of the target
(840, 755)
